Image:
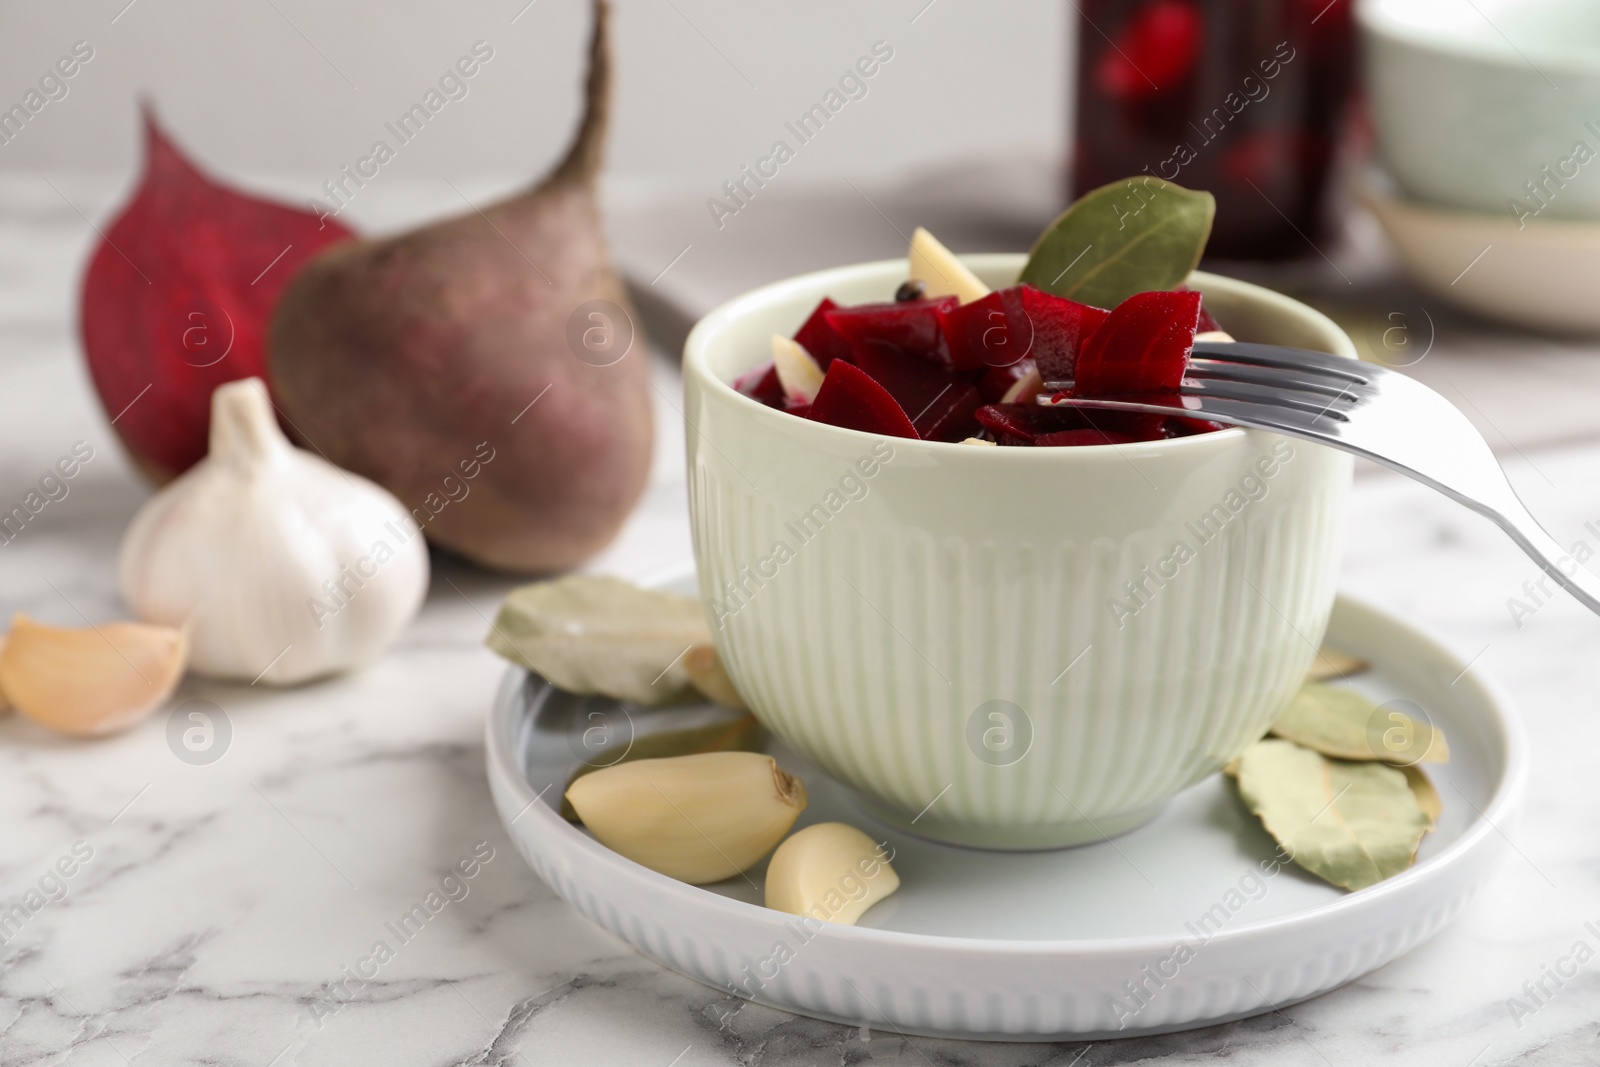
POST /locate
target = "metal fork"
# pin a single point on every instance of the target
(1361, 408)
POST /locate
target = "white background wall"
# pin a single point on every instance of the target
(302, 87)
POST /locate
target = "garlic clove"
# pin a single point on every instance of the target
(1220, 336)
(1024, 389)
(937, 268)
(798, 373)
(831, 872)
(709, 676)
(5, 701)
(91, 681)
(699, 818)
(977, 441)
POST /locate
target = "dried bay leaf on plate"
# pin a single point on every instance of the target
(1128, 237)
(1427, 796)
(591, 634)
(1331, 664)
(1344, 724)
(1352, 824)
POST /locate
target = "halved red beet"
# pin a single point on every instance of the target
(939, 403)
(820, 339)
(915, 328)
(1143, 346)
(851, 399)
(761, 385)
(1083, 437)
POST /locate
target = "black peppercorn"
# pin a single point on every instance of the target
(909, 291)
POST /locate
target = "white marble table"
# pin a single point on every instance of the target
(222, 909)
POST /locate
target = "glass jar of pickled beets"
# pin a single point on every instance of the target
(1243, 98)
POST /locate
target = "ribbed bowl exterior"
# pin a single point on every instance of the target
(1007, 647)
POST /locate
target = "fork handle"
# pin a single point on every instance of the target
(1546, 551)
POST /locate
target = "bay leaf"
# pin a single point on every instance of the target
(743, 734)
(597, 635)
(1127, 237)
(1331, 664)
(1342, 723)
(1352, 824)
(1427, 796)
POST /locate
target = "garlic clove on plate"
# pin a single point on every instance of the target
(830, 871)
(288, 567)
(699, 818)
(91, 681)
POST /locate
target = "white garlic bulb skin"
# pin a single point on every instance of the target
(285, 567)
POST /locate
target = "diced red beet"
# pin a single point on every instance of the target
(993, 331)
(821, 340)
(915, 328)
(1083, 437)
(1028, 422)
(761, 385)
(1062, 328)
(1143, 346)
(851, 399)
(1207, 323)
(1179, 426)
(939, 403)
(996, 381)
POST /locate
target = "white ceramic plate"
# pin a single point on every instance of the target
(1081, 942)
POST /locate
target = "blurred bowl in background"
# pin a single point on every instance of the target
(1543, 273)
(1474, 99)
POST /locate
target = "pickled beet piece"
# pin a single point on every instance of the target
(915, 328)
(821, 340)
(1026, 423)
(1061, 329)
(1153, 52)
(939, 403)
(1083, 437)
(1143, 346)
(991, 332)
(761, 385)
(851, 399)
(1012, 325)
(1179, 426)
(997, 381)
(1207, 324)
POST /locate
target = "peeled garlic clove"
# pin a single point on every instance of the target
(90, 681)
(711, 677)
(699, 818)
(1219, 336)
(830, 871)
(1024, 389)
(936, 267)
(798, 373)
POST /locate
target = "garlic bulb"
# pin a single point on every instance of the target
(285, 567)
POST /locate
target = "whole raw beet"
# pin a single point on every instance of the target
(414, 361)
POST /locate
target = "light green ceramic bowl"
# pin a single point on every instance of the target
(1006, 647)
(1473, 99)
